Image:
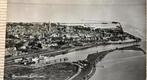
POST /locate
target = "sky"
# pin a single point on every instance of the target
(130, 13)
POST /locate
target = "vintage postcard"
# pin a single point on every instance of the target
(75, 40)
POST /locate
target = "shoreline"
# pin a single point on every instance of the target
(65, 51)
(98, 58)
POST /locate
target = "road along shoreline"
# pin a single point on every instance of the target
(93, 59)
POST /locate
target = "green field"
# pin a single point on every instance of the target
(59, 71)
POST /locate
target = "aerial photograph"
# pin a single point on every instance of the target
(75, 40)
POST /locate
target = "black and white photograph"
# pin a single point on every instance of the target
(75, 40)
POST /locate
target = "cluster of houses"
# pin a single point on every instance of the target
(39, 60)
(23, 37)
